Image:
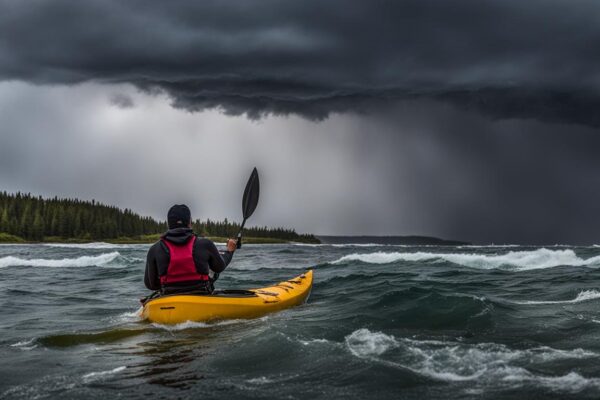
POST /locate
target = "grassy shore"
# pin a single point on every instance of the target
(143, 239)
(6, 238)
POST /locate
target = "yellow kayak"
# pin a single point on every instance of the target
(229, 304)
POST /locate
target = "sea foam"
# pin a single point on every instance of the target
(194, 325)
(127, 317)
(453, 361)
(584, 295)
(83, 261)
(363, 342)
(25, 344)
(519, 260)
(93, 246)
(92, 376)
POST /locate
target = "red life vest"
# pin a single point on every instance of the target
(181, 263)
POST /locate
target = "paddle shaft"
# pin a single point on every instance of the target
(239, 235)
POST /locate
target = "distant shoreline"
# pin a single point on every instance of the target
(28, 218)
(149, 239)
(320, 239)
(397, 240)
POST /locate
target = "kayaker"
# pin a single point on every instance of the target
(181, 261)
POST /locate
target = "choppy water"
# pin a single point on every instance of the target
(382, 322)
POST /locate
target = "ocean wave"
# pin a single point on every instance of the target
(56, 386)
(278, 378)
(83, 261)
(261, 380)
(253, 265)
(519, 260)
(181, 326)
(128, 317)
(363, 342)
(94, 376)
(113, 334)
(345, 245)
(25, 344)
(297, 244)
(487, 246)
(92, 246)
(194, 325)
(314, 341)
(584, 295)
(454, 361)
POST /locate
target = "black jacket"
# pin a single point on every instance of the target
(205, 254)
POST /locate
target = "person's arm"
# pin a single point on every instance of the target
(218, 261)
(151, 278)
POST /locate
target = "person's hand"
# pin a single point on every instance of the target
(231, 245)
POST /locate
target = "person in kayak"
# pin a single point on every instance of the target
(180, 261)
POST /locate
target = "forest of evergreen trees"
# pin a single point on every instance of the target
(229, 229)
(37, 219)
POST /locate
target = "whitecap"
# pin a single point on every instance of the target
(518, 260)
(260, 380)
(83, 261)
(345, 245)
(363, 245)
(363, 342)
(193, 325)
(181, 326)
(571, 382)
(92, 376)
(45, 387)
(130, 316)
(25, 344)
(22, 343)
(584, 295)
(450, 361)
(298, 244)
(314, 341)
(93, 245)
(486, 246)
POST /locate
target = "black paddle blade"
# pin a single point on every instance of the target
(250, 200)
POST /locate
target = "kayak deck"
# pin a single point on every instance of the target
(229, 304)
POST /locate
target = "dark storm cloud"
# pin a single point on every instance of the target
(507, 59)
(490, 181)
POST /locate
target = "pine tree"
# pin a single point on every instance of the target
(77, 224)
(37, 231)
(4, 221)
(26, 222)
(54, 224)
(62, 227)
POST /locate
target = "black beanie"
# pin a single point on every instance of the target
(179, 216)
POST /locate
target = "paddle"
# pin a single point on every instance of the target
(249, 202)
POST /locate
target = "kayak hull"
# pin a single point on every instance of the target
(254, 303)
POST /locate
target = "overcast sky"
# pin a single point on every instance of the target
(473, 120)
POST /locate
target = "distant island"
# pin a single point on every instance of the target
(397, 240)
(26, 218)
